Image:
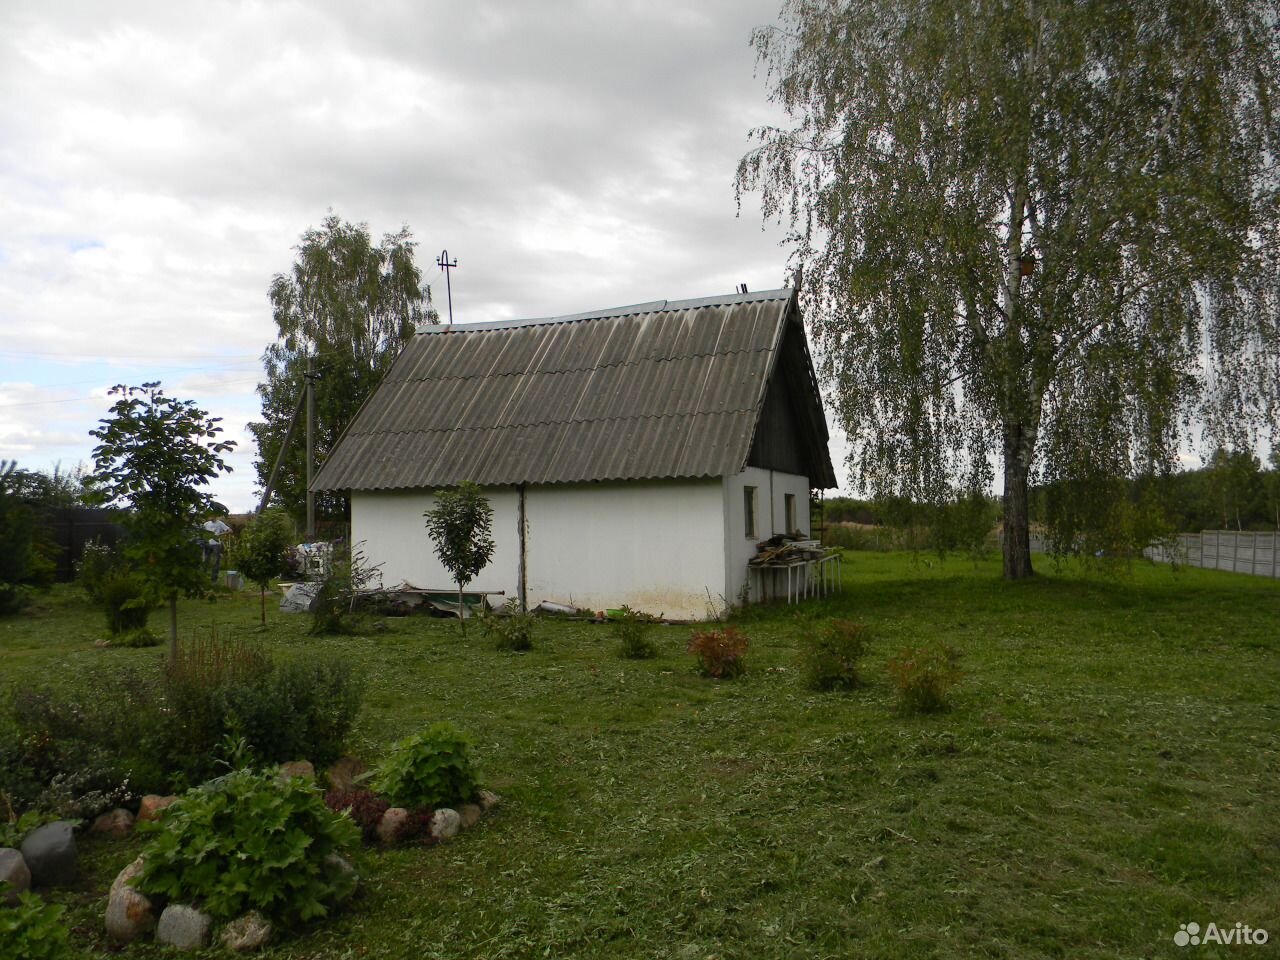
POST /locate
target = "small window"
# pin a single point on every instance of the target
(749, 509)
(789, 502)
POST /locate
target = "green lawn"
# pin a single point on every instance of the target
(1109, 772)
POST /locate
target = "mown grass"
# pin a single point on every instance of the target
(1108, 771)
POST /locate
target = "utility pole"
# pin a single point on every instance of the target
(445, 264)
(310, 387)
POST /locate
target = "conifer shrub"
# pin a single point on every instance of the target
(719, 653)
(924, 676)
(429, 769)
(248, 841)
(830, 656)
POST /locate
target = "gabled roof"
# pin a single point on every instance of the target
(655, 390)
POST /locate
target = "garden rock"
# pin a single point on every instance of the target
(250, 932)
(394, 825)
(470, 814)
(130, 912)
(50, 853)
(297, 768)
(344, 773)
(183, 927)
(445, 824)
(115, 823)
(152, 804)
(13, 871)
(488, 800)
(338, 865)
(301, 598)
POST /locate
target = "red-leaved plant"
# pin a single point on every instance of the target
(719, 652)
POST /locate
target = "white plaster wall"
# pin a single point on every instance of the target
(771, 487)
(395, 534)
(657, 546)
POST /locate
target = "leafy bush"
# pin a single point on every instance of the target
(348, 583)
(830, 658)
(247, 841)
(141, 637)
(512, 630)
(924, 676)
(123, 602)
(13, 597)
(632, 631)
(432, 768)
(162, 730)
(363, 806)
(719, 652)
(33, 930)
(97, 562)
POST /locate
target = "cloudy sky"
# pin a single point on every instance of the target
(159, 161)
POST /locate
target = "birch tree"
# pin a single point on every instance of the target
(1038, 236)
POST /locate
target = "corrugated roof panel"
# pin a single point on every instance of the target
(673, 390)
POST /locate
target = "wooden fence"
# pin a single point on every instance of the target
(1238, 552)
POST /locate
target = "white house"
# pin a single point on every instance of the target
(632, 456)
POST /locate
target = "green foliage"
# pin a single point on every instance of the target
(348, 587)
(719, 653)
(137, 637)
(1045, 234)
(122, 595)
(830, 657)
(154, 458)
(632, 630)
(261, 550)
(923, 677)
(157, 730)
(460, 526)
(34, 930)
(511, 630)
(247, 841)
(353, 305)
(431, 768)
(98, 561)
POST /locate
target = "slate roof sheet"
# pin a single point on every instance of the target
(658, 390)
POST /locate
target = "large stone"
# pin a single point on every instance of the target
(394, 825)
(14, 872)
(152, 804)
(345, 774)
(300, 598)
(115, 823)
(183, 927)
(50, 852)
(470, 814)
(297, 768)
(488, 800)
(130, 912)
(445, 824)
(250, 932)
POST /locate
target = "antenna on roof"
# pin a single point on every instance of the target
(742, 288)
(445, 264)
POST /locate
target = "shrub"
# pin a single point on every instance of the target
(96, 563)
(13, 597)
(924, 676)
(830, 658)
(432, 768)
(719, 652)
(141, 637)
(33, 930)
(632, 631)
(512, 630)
(364, 807)
(247, 841)
(348, 582)
(122, 601)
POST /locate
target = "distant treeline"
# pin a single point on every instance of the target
(1233, 492)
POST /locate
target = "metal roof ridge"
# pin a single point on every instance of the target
(629, 310)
